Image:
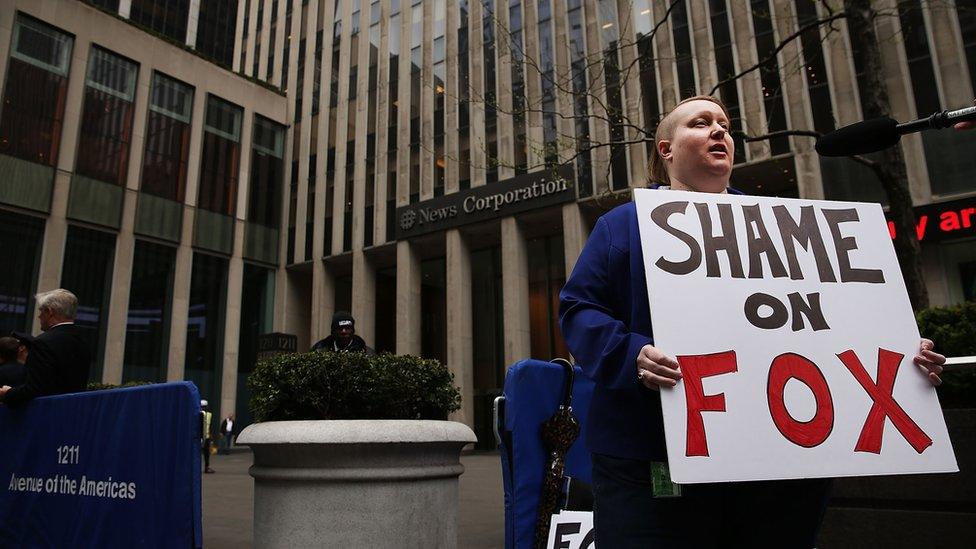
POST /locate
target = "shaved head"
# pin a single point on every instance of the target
(665, 131)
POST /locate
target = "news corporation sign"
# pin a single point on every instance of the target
(518, 194)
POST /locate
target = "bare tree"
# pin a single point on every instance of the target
(861, 18)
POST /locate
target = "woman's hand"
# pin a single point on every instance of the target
(930, 361)
(656, 369)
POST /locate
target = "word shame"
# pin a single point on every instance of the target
(759, 248)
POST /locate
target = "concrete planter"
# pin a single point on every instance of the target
(356, 483)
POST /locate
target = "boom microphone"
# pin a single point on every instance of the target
(880, 133)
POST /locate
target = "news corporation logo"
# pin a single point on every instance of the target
(407, 220)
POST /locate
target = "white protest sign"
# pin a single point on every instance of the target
(571, 530)
(795, 339)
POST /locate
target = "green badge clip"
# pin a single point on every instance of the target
(661, 485)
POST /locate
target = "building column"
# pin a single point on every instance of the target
(575, 234)
(180, 313)
(323, 305)
(192, 22)
(235, 276)
(56, 228)
(183, 269)
(232, 322)
(515, 292)
(121, 285)
(460, 356)
(364, 297)
(408, 300)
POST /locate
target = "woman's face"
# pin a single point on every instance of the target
(700, 151)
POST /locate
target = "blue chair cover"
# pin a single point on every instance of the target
(533, 391)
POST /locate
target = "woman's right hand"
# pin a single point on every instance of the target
(656, 369)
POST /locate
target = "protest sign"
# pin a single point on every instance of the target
(795, 338)
(571, 530)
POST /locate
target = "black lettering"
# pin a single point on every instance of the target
(759, 244)
(806, 234)
(725, 241)
(776, 319)
(659, 216)
(566, 528)
(844, 245)
(809, 308)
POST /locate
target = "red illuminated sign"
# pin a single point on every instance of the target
(935, 222)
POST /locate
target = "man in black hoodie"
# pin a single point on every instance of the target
(343, 338)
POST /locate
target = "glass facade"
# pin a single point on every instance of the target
(762, 22)
(547, 274)
(21, 237)
(164, 162)
(86, 271)
(386, 325)
(433, 309)
(257, 307)
(106, 120)
(150, 306)
(267, 169)
(215, 30)
(220, 161)
(205, 327)
(725, 68)
(167, 17)
(35, 92)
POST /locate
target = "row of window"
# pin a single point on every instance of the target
(33, 116)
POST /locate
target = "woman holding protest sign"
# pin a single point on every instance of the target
(605, 318)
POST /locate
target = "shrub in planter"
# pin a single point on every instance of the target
(953, 329)
(330, 385)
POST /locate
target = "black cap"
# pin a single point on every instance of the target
(342, 318)
(23, 338)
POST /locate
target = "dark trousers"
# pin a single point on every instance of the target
(780, 514)
(205, 447)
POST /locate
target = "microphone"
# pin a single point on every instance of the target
(880, 133)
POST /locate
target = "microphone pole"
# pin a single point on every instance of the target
(937, 121)
(876, 134)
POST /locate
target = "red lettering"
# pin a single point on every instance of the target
(809, 433)
(693, 370)
(884, 405)
(920, 227)
(891, 229)
(967, 214)
(949, 221)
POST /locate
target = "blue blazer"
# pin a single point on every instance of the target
(605, 319)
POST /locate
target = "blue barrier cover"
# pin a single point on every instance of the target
(533, 391)
(115, 468)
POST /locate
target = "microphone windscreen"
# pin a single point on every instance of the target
(860, 138)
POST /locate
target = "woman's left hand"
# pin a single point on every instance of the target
(930, 361)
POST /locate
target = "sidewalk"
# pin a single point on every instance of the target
(228, 503)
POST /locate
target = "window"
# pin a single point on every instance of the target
(167, 138)
(221, 157)
(257, 300)
(215, 30)
(547, 274)
(205, 326)
(167, 17)
(267, 168)
(106, 120)
(89, 256)
(35, 93)
(20, 237)
(147, 324)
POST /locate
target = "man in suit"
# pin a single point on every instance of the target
(13, 353)
(59, 358)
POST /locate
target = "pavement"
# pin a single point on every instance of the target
(228, 502)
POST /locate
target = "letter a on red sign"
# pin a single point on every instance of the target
(693, 369)
(884, 405)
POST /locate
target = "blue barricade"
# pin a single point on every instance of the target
(533, 392)
(116, 468)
